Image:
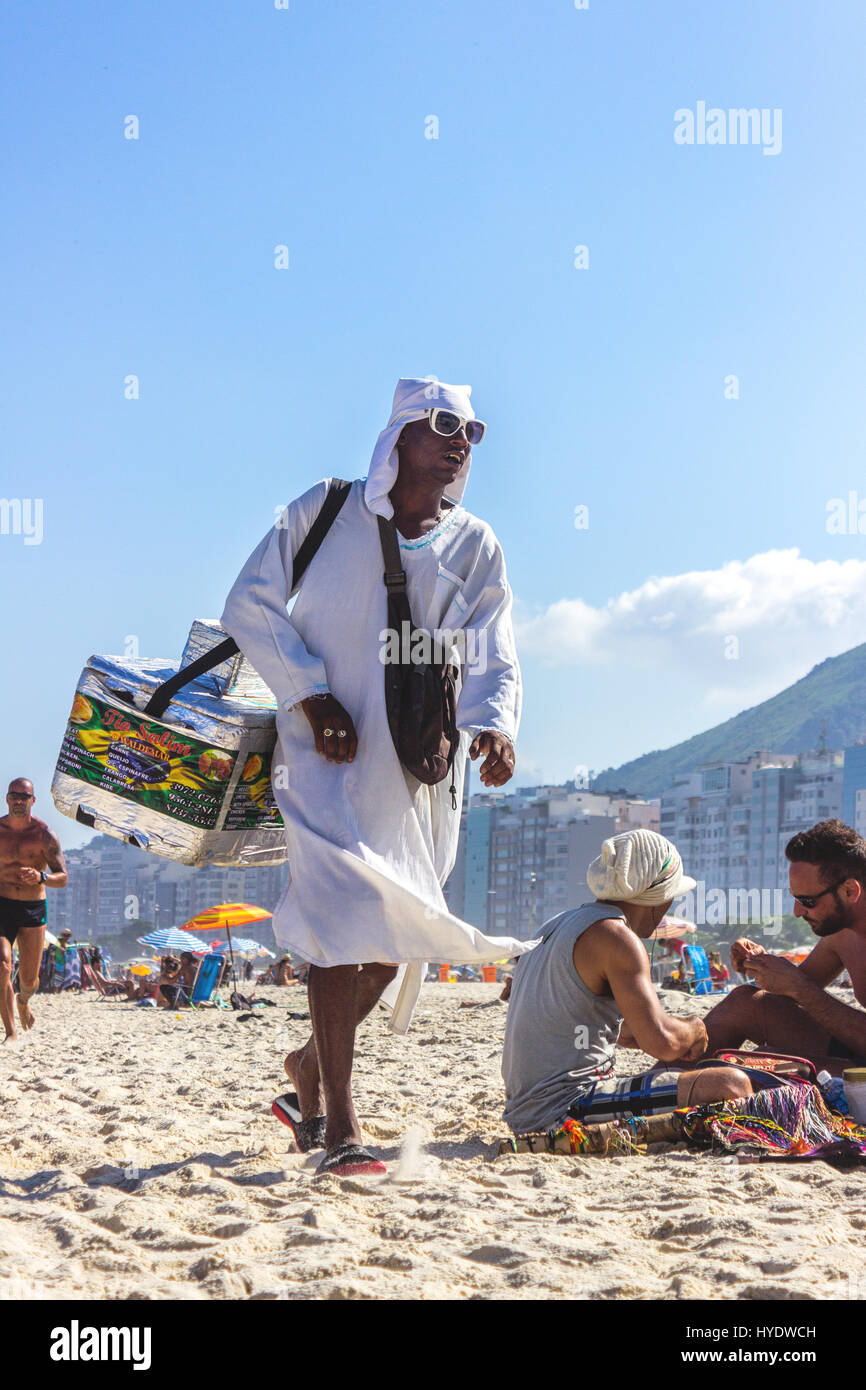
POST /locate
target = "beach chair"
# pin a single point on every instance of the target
(205, 981)
(101, 989)
(696, 969)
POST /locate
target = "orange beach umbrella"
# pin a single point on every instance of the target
(223, 918)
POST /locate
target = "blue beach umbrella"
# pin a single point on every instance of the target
(244, 945)
(171, 939)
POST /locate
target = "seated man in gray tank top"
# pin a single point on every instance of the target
(589, 974)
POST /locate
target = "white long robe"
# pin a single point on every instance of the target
(370, 846)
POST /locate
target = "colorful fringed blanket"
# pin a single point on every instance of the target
(792, 1122)
(788, 1122)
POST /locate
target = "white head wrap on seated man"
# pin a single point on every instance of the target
(639, 866)
(414, 396)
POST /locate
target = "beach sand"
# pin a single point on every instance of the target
(140, 1160)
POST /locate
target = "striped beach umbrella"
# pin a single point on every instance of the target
(244, 945)
(170, 939)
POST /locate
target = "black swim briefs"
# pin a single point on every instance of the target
(15, 914)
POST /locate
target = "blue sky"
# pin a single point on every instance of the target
(451, 256)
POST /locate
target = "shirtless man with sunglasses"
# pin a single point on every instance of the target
(30, 861)
(788, 1008)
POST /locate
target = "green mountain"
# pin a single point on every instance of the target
(829, 701)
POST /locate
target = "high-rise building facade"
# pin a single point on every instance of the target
(113, 886)
(731, 821)
(527, 853)
(854, 788)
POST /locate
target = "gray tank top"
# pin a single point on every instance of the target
(559, 1036)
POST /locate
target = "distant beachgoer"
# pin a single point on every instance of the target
(719, 972)
(144, 988)
(791, 1010)
(170, 982)
(107, 985)
(151, 986)
(283, 972)
(587, 986)
(30, 861)
(61, 951)
(188, 971)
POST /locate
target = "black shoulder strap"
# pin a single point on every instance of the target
(338, 491)
(395, 575)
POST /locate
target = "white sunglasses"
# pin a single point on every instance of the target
(447, 422)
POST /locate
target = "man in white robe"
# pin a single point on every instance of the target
(369, 845)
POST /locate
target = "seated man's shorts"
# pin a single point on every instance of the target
(648, 1093)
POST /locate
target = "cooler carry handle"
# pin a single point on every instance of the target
(164, 694)
(162, 697)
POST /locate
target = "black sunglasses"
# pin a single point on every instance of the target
(808, 900)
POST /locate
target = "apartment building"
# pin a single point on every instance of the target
(526, 852)
(113, 885)
(854, 788)
(732, 820)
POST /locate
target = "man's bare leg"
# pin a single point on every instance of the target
(30, 945)
(333, 1010)
(302, 1066)
(770, 1021)
(7, 999)
(711, 1084)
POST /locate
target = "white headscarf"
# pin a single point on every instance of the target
(639, 866)
(414, 396)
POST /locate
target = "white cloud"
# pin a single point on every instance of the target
(786, 613)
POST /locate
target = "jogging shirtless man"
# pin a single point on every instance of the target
(30, 861)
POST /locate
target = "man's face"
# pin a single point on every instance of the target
(831, 912)
(431, 458)
(20, 798)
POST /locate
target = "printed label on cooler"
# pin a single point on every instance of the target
(120, 750)
(253, 804)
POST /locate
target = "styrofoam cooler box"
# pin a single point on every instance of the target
(192, 785)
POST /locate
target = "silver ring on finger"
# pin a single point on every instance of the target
(342, 733)
(329, 733)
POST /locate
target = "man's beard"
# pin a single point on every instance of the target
(837, 921)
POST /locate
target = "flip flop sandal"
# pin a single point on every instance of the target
(309, 1134)
(347, 1159)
